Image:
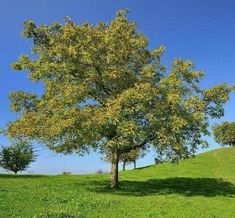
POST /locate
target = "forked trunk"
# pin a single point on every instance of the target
(114, 171)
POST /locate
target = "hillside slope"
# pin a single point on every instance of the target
(200, 187)
(219, 163)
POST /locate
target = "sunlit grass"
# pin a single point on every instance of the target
(200, 187)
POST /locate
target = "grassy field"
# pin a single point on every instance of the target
(200, 187)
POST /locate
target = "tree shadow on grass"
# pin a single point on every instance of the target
(208, 187)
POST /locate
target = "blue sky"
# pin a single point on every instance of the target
(199, 30)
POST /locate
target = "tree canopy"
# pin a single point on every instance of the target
(104, 89)
(224, 133)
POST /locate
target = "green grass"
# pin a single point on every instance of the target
(200, 187)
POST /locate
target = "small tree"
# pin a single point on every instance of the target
(16, 157)
(224, 133)
(131, 157)
(159, 159)
(127, 157)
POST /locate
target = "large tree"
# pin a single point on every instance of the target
(224, 133)
(104, 89)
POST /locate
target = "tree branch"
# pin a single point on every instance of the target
(135, 146)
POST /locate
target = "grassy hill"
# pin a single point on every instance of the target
(200, 187)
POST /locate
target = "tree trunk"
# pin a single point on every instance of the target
(124, 165)
(134, 164)
(114, 171)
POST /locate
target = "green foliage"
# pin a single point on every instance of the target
(105, 90)
(224, 133)
(200, 187)
(16, 157)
